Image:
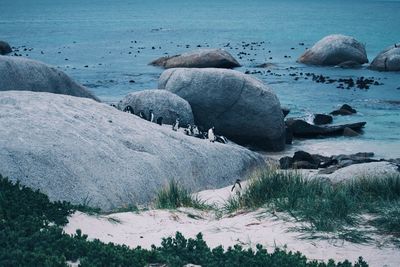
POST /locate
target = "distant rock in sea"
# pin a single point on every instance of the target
(28, 75)
(79, 150)
(5, 48)
(335, 50)
(240, 107)
(388, 59)
(164, 104)
(201, 58)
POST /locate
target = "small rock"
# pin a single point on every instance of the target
(320, 119)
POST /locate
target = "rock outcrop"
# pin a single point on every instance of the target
(334, 50)
(79, 150)
(163, 103)
(23, 74)
(301, 128)
(240, 107)
(387, 60)
(5, 48)
(201, 58)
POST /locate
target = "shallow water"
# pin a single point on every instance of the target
(115, 41)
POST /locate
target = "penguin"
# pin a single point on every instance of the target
(211, 136)
(188, 130)
(141, 115)
(237, 188)
(159, 120)
(221, 139)
(129, 109)
(151, 116)
(175, 126)
(195, 131)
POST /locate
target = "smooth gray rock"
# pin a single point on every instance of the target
(334, 50)
(201, 58)
(23, 74)
(77, 149)
(163, 103)
(388, 59)
(240, 107)
(5, 48)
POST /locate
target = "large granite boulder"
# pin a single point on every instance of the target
(334, 50)
(201, 58)
(388, 59)
(5, 48)
(77, 149)
(239, 106)
(164, 104)
(23, 74)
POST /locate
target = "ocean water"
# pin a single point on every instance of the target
(107, 44)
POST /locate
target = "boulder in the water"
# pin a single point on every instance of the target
(5, 48)
(163, 103)
(387, 60)
(201, 58)
(344, 110)
(240, 107)
(334, 50)
(301, 128)
(77, 149)
(320, 119)
(23, 74)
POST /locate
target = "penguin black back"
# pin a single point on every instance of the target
(129, 109)
(159, 120)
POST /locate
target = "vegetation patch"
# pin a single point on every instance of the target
(326, 206)
(31, 235)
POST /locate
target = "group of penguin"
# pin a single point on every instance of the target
(190, 130)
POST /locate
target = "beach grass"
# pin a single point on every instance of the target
(325, 206)
(174, 196)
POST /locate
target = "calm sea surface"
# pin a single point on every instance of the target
(106, 44)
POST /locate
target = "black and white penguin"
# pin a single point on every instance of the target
(221, 139)
(195, 131)
(211, 135)
(188, 130)
(151, 116)
(175, 126)
(141, 115)
(159, 120)
(237, 188)
(129, 109)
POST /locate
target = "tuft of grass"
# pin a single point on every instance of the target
(326, 206)
(174, 196)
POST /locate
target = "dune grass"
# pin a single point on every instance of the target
(326, 206)
(174, 196)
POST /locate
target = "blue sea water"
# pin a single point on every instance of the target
(106, 44)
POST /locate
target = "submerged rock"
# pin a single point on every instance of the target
(5, 48)
(201, 58)
(164, 104)
(388, 59)
(334, 50)
(77, 149)
(28, 75)
(240, 107)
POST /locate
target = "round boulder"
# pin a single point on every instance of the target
(5, 48)
(334, 50)
(164, 104)
(388, 59)
(240, 107)
(201, 58)
(23, 74)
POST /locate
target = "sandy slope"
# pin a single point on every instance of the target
(248, 229)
